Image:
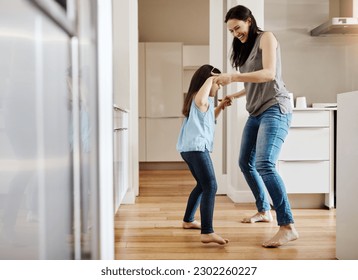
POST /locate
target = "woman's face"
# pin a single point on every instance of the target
(239, 28)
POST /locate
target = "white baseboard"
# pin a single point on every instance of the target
(240, 196)
(129, 198)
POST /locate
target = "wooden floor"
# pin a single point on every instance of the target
(151, 229)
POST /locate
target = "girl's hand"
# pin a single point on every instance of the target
(226, 102)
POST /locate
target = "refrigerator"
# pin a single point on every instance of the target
(161, 100)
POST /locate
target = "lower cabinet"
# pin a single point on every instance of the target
(306, 162)
(305, 176)
(121, 156)
(161, 136)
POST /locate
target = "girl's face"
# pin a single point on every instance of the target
(239, 28)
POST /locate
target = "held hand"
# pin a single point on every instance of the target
(226, 102)
(229, 99)
(222, 79)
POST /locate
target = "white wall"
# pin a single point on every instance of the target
(185, 21)
(125, 80)
(316, 67)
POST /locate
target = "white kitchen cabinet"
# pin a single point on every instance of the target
(141, 80)
(142, 140)
(161, 138)
(165, 71)
(160, 100)
(163, 79)
(121, 156)
(347, 177)
(306, 161)
(194, 56)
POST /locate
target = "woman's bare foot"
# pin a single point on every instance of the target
(192, 225)
(213, 237)
(265, 217)
(284, 235)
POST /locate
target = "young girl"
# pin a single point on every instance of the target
(195, 143)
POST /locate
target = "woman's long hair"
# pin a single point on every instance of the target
(241, 51)
(200, 76)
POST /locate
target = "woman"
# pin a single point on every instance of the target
(195, 143)
(257, 55)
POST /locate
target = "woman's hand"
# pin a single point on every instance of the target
(223, 79)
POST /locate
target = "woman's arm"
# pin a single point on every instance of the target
(268, 44)
(237, 94)
(227, 101)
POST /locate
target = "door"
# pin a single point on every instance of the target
(48, 98)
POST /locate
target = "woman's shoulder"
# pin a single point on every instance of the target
(267, 34)
(267, 37)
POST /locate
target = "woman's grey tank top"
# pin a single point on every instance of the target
(261, 96)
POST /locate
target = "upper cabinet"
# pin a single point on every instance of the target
(195, 56)
(163, 79)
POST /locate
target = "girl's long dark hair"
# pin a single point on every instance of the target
(200, 76)
(241, 51)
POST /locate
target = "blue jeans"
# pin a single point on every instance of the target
(201, 167)
(262, 140)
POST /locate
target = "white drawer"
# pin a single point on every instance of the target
(305, 176)
(306, 144)
(308, 118)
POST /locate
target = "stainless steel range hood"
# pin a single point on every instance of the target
(343, 19)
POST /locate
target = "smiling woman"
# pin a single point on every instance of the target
(257, 55)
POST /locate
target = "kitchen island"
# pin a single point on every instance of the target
(347, 176)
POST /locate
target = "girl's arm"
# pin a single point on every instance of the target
(201, 97)
(222, 105)
(268, 45)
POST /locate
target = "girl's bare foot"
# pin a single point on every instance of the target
(265, 217)
(284, 235)
(213, 237)
(192, 225)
